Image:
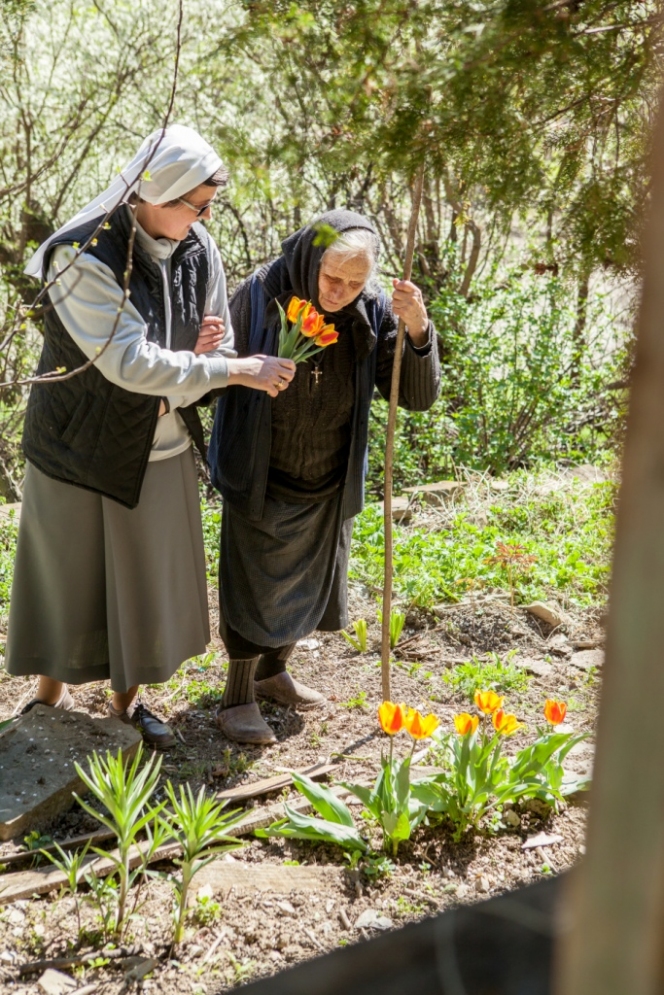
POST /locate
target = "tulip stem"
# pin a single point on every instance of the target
(389, 445)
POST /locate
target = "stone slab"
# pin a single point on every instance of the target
(401, 509)
(37, 756)
(220, 876)
(586, 659)
(547, 613)
(540, 668)
(437, 493)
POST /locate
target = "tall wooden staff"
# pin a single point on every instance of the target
(389, 443)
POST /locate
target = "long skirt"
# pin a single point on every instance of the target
(284, 576)
(104, 592)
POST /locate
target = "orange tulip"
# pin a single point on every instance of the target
(466, 724)
(419, 726)
(555, 711)
(312, 324)
(391, 717)
(488, 701)
(328, 336)
(505, 724)
(296, 305)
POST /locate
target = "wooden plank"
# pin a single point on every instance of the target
(616, 920)
(255, 789)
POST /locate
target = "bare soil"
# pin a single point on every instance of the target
(259, 933)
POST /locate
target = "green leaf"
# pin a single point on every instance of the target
(323, 800)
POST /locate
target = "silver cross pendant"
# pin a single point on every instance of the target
(317, 373)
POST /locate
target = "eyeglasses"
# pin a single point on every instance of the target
(199, 211)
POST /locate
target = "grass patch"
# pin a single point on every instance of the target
(568, 531)
(489, 674)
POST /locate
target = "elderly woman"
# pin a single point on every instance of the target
(110, 579)
(291, 469)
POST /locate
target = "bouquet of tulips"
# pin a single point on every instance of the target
(307, 334)
(390, 801)
(477, 780)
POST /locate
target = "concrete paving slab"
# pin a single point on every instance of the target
(37, 756)
(220, 876)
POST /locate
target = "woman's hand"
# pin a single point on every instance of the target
(262, 373)
(407, 303)
(211, 334)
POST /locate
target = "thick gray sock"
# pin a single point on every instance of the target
(239, 688)
(273, 663)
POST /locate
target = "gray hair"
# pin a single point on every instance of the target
(358, 242)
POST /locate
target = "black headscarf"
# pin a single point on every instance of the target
(295, 273)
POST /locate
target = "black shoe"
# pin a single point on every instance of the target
(152, 729)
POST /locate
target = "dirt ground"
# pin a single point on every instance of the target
(252, 933)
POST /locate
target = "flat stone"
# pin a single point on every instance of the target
(37, 757)
(56, 983)
(401, 509)
(437, 493)
(537, 667)
(541, 839)
(371, 919)
(587, 659)
(248, 879)
(547, 613)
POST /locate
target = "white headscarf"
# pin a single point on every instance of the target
(183, 160)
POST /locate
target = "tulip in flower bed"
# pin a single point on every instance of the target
(390, 801)
(475, 780)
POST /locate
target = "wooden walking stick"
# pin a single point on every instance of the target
(389, 443)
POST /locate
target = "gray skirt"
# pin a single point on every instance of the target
(101, 591)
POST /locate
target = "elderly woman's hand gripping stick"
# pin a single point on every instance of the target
(407, 304)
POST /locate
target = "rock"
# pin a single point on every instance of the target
(559, 645)
(499, 485)
(541, 839)
(546, 613)
(401, 509)
(438, 493)
(56, 983)
(247, 879)
(293, 951)
(537, 667)
(286, 907)
(511, 818)
(587, 659)
(538, 808)
(484, 884)
(371, 919)
(37, 756)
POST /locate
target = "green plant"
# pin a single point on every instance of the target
(389, 801)
(478, 780)
(513, 559)
(359, 642)
(397, 622)
(492, 672)
(206, 910)
(200, 826)
(35, 840)
(72, 864)
(358, 701)
(125, 790)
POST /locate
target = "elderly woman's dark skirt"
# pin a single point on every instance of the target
(284, 576)
(101, 591)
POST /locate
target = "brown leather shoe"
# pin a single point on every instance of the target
(154, 731)
(283, 689)
(65, 701)
(244, 724)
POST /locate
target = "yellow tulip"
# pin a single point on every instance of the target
(391, 717)
(488, 701)
(296, 305)
(466, 724)
(418, 726)
(505, 724)
(555, 711)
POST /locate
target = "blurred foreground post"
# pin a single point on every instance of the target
(615, 941)
(389, 444)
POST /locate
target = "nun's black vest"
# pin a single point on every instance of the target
(86, 431)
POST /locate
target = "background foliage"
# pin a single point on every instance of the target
(532, 121)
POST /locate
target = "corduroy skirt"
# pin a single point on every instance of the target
(104, 592)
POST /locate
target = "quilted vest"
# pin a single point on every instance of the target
(87, 431)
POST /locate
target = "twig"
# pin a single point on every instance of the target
(343, 918)
(212, 949)
(389, 447)
(316, 942)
